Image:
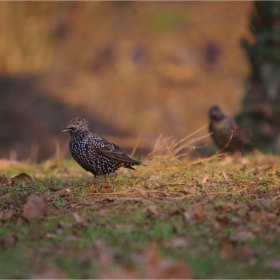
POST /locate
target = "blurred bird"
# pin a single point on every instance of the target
(225, 132)
(94, 153)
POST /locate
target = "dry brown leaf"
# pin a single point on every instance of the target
(226, 248)
(4, 180)
(107, 189)
(260, 217)
(10, 240)
(225, 176)
(35, 207)
(150, 186)
(140, 190)
(51, 235)
(177, 242)
(70, 239)
(222, 221)
(242, 236)
(191, 190)
(199, 213)
(153, 211)
(151, 266)
(105, 255)
(273, 263)
(225, 207)
(205, 180)
(103, 213)
(161, 194)
(187, 216)
(24, 178)
(78, 219)
(157, 267)
(5, 196)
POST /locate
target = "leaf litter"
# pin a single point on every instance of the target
(152, 226)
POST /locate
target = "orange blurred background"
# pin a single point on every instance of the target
(128, 67)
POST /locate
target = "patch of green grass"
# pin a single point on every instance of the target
(220, 229)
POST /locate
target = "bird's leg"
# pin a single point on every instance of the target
(95, 180)
(106, 183)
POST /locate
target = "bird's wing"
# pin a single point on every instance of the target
(113, 151)
(240, 133)
(232, 123)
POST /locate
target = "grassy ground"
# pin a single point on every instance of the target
(213, 218)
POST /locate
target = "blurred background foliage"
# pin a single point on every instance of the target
(261, 104)
(128, 67)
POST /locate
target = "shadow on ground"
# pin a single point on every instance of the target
(30, 118)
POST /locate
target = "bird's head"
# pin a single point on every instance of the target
(216, 114)
(77, 126)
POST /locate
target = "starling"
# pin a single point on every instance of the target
(225, 132)
(93, 152)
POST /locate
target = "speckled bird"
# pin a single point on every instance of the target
(94, 153)
(226, 134)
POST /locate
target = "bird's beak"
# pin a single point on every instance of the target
(63, 130)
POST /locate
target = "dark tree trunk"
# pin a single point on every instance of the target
(260, 116)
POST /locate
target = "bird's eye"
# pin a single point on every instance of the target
(73, 128)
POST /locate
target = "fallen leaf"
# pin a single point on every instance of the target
(23, 178)
(226, 248)
(242, 236)
(35, 207)
(187, 216)
(150, 186)
(161, 194)
(153, 211)
(225, 176)
(205, 180)
(106, 189)
(34, 234)
(190, 190)
(225, 207)
(177, 242)
(4, 180)
(105, 255)
(103, 213)
(273, 263)
(10, 240)
(157, 267)
(260, 217)
(199, 213)
(5, 196)
(151, 266)
(51, 235)
(78, 219)
(229, 207)
(70, 239)
(222, 221)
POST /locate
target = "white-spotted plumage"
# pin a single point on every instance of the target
(94, 153)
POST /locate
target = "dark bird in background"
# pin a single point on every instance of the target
(94, 153)
(225, 132)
